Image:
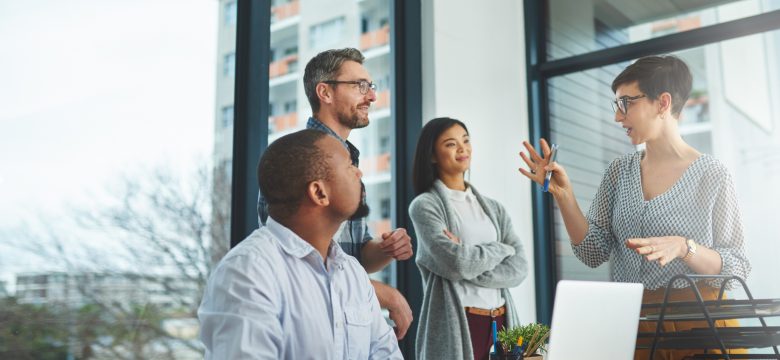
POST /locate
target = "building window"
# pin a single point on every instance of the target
(227, 116)
(326, 34)
(229, 65)
(231, 10)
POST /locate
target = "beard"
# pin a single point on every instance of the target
(362, 209)
(352, 121)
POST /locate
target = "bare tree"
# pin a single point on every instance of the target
(161, 235)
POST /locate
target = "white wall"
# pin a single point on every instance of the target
(474, 70)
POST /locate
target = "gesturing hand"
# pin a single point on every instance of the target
(663, 249)
(539, 165)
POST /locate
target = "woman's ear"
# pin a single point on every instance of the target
(664, 102)
(317, 193)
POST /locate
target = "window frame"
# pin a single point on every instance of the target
(540, 70)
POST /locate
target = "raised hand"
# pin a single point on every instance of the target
(539, 165)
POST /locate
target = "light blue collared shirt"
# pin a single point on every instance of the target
(272, 297)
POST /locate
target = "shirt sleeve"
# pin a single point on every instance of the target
(727, 236)
(437, 253)
(599, 241)
(239, 313)
(513, 269)
(383, 342)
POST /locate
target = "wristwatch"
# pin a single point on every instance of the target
(692, 246)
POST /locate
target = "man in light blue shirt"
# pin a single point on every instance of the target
(288, 291)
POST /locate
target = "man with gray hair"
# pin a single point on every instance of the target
(340, 92)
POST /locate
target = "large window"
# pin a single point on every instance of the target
(299, 30)
(732, 112)
(111, 214)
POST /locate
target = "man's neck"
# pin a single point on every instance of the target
(317, 233)
(332, 122)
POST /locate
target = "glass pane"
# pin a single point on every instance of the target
(731, 114)
(299, 30)
(111, 206)
(578, 27)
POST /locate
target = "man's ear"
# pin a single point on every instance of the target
(324, 93)
(317, 192)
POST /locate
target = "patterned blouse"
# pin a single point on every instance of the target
(701, 205)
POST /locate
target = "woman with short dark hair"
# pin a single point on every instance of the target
(467, 252)
(659, 212)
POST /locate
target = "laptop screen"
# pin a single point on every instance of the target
(594, 320)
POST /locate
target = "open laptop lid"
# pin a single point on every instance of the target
(594, 320)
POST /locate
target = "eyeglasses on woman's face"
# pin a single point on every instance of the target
(622, 103)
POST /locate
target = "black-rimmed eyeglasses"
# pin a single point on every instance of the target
(622, 103)
(363, 85)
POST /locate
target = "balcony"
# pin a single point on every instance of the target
(375, 38)
(375, 164)
(283, 122)
(382, 100)
(380, 226)
(285, 11)
(283, 66)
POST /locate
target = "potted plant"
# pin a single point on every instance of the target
(521, 342)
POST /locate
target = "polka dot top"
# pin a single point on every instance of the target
(701, 205)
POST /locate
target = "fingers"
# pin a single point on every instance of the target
(397, 244)
(531, 151)
(653, 250)
(635, 243)
(545, 148)
(527, 161)
(451, 236)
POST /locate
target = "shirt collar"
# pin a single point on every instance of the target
(456, 195)
(292, 244)
(315, 124)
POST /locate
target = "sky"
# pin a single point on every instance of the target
(93, 89)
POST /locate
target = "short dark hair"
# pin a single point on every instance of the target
(287, 167)
(658, 74)
(323, 67)
(424, 171)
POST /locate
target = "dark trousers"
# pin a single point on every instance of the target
(482, 334)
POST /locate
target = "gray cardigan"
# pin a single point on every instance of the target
(443, 330)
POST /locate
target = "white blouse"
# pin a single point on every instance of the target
(476, 229)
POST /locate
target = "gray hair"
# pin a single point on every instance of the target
(323, 67)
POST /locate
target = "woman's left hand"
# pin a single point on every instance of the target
(664, 249)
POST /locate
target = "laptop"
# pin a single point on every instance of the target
(594, 320)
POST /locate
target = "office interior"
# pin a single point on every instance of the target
(102, 177)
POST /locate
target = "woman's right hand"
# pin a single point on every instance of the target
(451, 236)
(539, 165)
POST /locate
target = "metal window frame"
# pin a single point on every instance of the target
(250, 125)
(540, 70)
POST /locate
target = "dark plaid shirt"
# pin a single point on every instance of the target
(355, 233)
